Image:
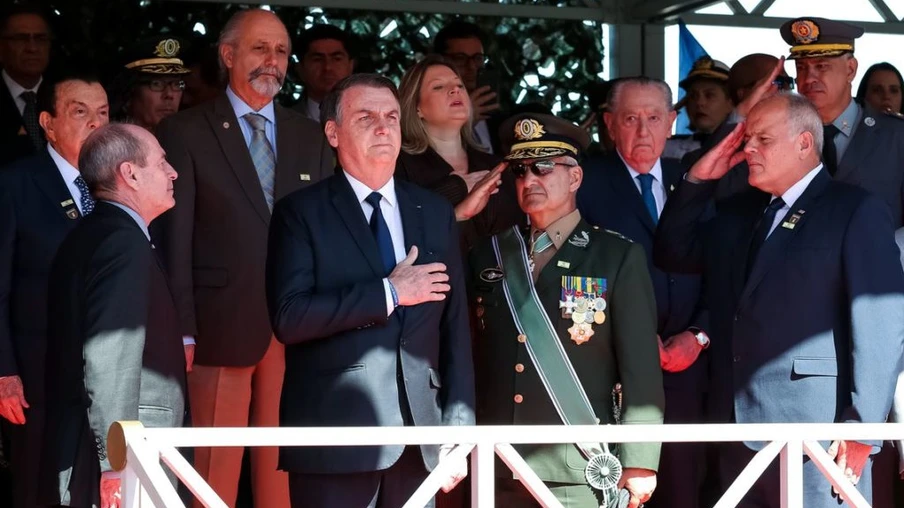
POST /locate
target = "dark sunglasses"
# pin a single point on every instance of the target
(538, 168)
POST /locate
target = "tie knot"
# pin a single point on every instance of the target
(374, 199)
(29, 97)
(646, 180)
(776, 205)
(257, 122)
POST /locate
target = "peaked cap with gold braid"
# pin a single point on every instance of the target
(539, 136)
(819, 37)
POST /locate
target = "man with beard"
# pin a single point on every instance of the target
(236, 155)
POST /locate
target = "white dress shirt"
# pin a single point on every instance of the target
(792, 195)
(389, 205)
(658, 187)
(16, 90)
(69, 174)
(241, 109)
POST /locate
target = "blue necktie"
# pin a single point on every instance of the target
(86, 200)
(646, 192)
(262, 155)
(381, 232)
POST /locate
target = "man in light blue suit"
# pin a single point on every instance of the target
(804, 285)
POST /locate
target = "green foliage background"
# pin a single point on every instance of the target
(99, 30)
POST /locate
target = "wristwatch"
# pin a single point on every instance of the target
(700, 335)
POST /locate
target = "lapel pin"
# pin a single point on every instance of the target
(869, 121)
(788, 225)
(66, 203)
(580, 241)
(305, 177)
(225, 125)
(563, 264)
(72, 213)
(672, 188)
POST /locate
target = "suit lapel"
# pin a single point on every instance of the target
(412, 220)
(773, 248)
(232, 142)
(623, 185)
(9, 112)
(47, 177)
(349, 210)
(288, 151)
(860, 146)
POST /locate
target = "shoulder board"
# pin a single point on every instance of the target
(895, 114)
(618, 235)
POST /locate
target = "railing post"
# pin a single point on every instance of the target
(483, 479)
(792, 475)
(131, 489)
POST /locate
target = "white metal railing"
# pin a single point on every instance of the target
(138, 451)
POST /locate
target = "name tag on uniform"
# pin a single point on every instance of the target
(563, 264)
(304, 177)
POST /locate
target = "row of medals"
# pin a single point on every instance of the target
(586, 311)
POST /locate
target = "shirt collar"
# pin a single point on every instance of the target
(134, 215)
(15, 89)
(241, 108)
(313, 108)
(656, 171)
(362, 191)
(67, 171)
(561, 228)
(795, 191)
(848, 118)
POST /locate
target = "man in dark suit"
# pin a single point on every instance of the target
(594, 316)
(24, 52)
(237, 155)
(805, 294)
(114, 348)
(372, 339)
(626, 192)
(41, 199)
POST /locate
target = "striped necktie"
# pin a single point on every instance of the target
(262, 155)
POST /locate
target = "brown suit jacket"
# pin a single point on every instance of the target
(215, 238)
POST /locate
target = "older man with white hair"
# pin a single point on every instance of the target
(237, 154)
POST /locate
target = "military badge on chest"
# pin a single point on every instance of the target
(584, 303)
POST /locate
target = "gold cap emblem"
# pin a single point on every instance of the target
(527, 129)
(805, 31)
(703, 64)
(167, 48)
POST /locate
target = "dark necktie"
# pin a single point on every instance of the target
(762, 231)
(87, 201)
(30, 119)
(829, 153)
(381, 232)
(646, 192)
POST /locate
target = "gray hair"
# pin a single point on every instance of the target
(104, 151)
(331, 107)
(618, 86)
(803, 117)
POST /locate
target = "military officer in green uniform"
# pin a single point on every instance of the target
(566, 323)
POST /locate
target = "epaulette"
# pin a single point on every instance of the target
(616, 234)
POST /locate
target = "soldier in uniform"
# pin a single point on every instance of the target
(708, 102)
(862, 145)
(566, 323)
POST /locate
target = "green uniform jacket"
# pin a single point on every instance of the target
(622, 350)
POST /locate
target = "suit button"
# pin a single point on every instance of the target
(479, 299)
(522, 338)
(737, 359)
(519, 367)
(518, 398)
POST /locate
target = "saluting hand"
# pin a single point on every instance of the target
(762, 89)
(12, 399)
(479, 197)
(718, 161)
(416, 284)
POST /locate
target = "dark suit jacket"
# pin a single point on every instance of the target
(621, 350)
(874, 160)
(114, 350)
(14, 141)
(431, 171)
(815, 333)
(33, 223)
(608, 198)
(347, 364)
(215, 239)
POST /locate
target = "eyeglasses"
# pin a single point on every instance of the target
(538, 168)
(23, 39)
(462, 59)
(159, 85)
(784, 82)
